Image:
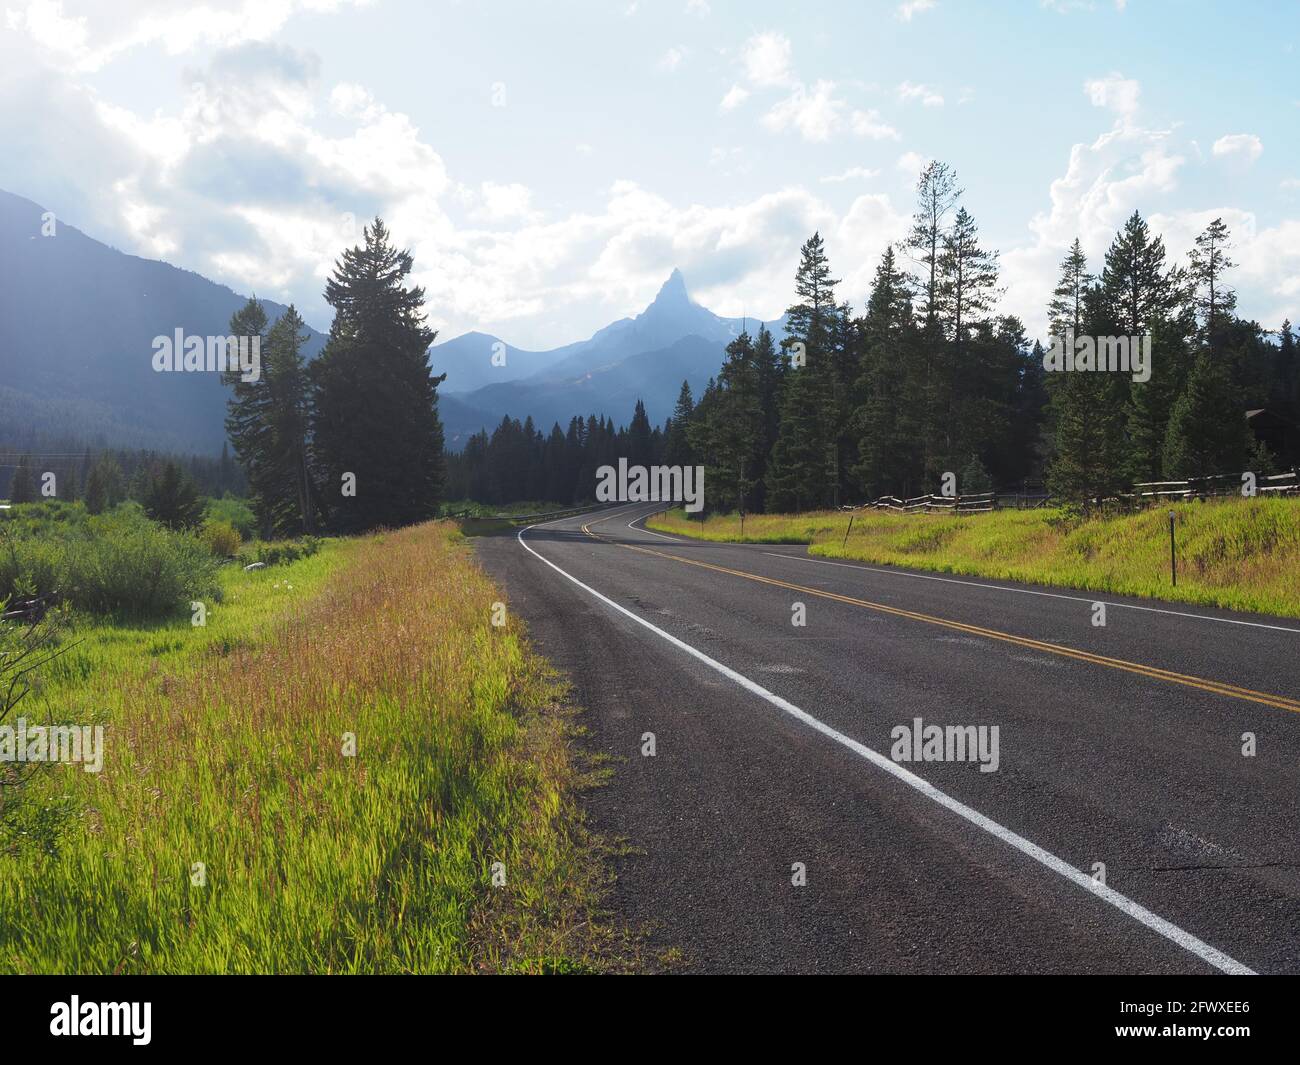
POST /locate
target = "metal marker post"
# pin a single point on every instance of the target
(1173, 555)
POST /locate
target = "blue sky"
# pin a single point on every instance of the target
(549, 164)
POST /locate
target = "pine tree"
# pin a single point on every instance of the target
(287, 492)
(677, 450)
(376, 415)
(1087, 416)
(968, 276)
(1134, 281)
(248, 413)
(888, 389)
(171, 498)
(804, 468)
(639, 451)
(1207, 427)
(1065, 311)
(1150, 403)
(96, 491)
(22, 487)
(736, 430)
(937, 195)
(1212, 297)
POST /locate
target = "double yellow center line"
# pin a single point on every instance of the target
(1231, 691)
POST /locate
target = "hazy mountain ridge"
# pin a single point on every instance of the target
(78, 318)
(645, 357)
(77, 322)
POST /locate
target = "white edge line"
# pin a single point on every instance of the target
(1139, 913)
(1030, 591)
(670, 539)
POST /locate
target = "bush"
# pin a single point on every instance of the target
(119, 563)
(282, 552)
(235, 512)
(221, 538)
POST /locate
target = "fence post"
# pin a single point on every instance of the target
(847, 531)
(1173, 554)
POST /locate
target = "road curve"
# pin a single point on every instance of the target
(1120, 746)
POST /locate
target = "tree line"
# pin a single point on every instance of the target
(103, 478)
(929, 379)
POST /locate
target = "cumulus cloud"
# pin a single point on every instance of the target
(89, 41)
(816, 112)
(1115, 93)
(766, 59)
(1244, 146)
(735, 96)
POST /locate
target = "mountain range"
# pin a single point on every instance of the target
(78, 319)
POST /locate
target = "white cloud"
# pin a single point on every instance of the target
(911, 163)
(88, 42)
(870, 125)
(1244, 146)
(1115, 93)
(929, 97)
(816, 114)
(908, 8)
(698, 8)
(766, 59)
(735, 96)
(1123, 170)
(504, 202)
(853, 173)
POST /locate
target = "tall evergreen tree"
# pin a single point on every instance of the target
(22, 487)
(1134, 280)
(248, 415)
(1087, 414)
(888, 391)
(968, 276)
(678, 450)
(1065, 311)
(937, 194)
(805, 461)
(376, 415)
(290, 495)
(1212, 297)
(640, 451)
(171, 498)
(1207, 428)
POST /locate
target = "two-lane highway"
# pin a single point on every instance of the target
(1124, 829)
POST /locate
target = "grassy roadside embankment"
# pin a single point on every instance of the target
(224, 745)
(1238, 554)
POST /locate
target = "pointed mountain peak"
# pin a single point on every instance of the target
(673, 290)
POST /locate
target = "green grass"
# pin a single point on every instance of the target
(1238, 554)
(224, 746)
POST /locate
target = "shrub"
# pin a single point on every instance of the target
(235, 512)
(282, 552)
(117, 563)
(221, 538)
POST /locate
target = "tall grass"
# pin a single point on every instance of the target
(225, 746)
(1239, 554)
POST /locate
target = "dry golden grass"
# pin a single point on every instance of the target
(225, 747)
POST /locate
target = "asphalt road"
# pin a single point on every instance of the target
(1119, 744)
